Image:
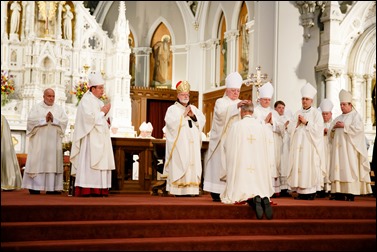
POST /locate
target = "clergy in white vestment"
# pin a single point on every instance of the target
(326, 107)
(92, 154)
(46, 125)
(349, 163)
(282, 142)
(247, 155)
(226, 112)
(11, 178)
(184, 123)
(268, 118)
(306, 155)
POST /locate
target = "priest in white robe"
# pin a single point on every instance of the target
(11, 178)
(282, 142)
(184, 123)
(268, 118)
(247, 155)
(46, 125)
(225, 113)
(326, 107)
(92, 154)
(349, 163)
(306, 155)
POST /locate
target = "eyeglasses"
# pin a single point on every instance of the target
(234, 90)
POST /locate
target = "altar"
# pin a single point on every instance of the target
(148, 150)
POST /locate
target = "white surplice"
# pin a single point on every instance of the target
(349, 165)
(183, 150)
(92, 154)
(44, 164)
(327, 146)
(247, 162)
(282, 142)
(225, 113)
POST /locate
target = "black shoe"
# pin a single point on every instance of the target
(31, 191)
(267, 208)
(338, 196)
(258, 206)
(321, 194)
(54, 192)
(216, 197)
(285, 193)
(310, 196)
(350, 197)
(300, 197)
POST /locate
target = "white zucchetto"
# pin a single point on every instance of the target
(308, 91)
(233, 80)
(266, 91)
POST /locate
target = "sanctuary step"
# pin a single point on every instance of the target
(137, 222)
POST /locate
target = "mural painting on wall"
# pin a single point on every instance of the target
(131, 43)
(161, 58)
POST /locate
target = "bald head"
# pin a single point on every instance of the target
(49, 96)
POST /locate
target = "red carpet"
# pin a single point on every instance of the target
(129, 222)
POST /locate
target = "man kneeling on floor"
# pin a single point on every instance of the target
(248, 179)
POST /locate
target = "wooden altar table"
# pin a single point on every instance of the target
(146, 148)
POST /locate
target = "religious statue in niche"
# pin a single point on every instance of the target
(15, 17)
(67, 23)
(161, 54)
(132, 62)
(245, 50)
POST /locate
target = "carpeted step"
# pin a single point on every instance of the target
(34, 231)
(306, 210)
(342, 242)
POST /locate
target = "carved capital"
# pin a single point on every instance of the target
(368, 77)
(307, 10)
(232, 34)
(331, 73)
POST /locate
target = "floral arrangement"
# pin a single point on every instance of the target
(81, 88)
(7, 86)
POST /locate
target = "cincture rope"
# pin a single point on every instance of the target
(175, 142)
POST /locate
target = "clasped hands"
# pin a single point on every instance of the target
(49, 117)
(339, 124)
(301, 119)
(188, 111)
(268, 119)
(105, 109)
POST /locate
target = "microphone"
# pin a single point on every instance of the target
(190, 123)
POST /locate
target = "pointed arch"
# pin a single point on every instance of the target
(155, 25)
(243, 41)
(161, 60)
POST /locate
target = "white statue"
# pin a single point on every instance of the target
(67, 23)
(15, 18)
